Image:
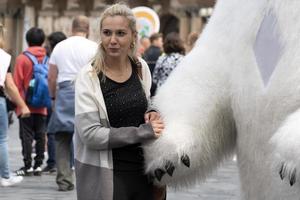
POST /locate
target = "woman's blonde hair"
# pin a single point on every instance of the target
(119, 9)
(1, 36)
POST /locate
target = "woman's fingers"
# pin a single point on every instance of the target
(147, 117)
(158, 127)
(151, 116)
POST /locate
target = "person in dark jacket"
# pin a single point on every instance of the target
(152, 54)
(154, 51)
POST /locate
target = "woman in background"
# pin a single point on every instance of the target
(166, 63)
(7, 83)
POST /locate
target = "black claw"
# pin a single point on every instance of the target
(170, 168)
(293, 178)
(185, 159)
(159, 173)
(281, 171)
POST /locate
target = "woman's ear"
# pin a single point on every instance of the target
(134, 40)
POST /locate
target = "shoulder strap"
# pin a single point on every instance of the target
(45, 60)
(31, 57)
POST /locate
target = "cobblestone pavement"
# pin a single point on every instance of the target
(222, 185)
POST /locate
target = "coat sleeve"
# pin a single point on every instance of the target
(147, 80)
(92, 126)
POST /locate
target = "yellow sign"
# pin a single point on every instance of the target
(147, 21)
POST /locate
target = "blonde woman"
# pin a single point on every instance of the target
(7, 83)
(111, 99)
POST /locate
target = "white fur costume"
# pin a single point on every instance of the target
(234, 91)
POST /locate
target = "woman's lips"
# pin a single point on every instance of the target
(113, 49)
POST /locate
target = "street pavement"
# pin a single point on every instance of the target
(222, 185)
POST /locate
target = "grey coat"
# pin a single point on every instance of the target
(94, 138)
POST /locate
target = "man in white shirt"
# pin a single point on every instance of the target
(66, 60)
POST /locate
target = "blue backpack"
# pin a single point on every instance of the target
(37, 95)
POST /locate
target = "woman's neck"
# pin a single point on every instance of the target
(118, 70)
(116, 64)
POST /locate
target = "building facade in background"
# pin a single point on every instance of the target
(182, 16)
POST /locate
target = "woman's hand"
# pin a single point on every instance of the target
(156, 122)
(25, 112)
(152, 115)
(158, 127)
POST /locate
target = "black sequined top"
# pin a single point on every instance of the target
(126, 104)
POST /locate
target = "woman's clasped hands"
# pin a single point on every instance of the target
(156, 122)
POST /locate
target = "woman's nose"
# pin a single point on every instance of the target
(113, 39)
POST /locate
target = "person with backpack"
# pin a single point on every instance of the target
(29, 75)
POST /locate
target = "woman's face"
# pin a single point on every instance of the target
(116, 36)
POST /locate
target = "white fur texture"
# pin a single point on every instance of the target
(215, 101)
(286, 142)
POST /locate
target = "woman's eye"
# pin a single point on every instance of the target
(106, 32)
(121, 33)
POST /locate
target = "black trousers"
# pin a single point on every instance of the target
(51, 162)
(33, 128)
(132, 186)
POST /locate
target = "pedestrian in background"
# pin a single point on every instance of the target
(52, 40)
(152, 54)
(191, 40)
(112, 94)
(33, 127)
(174, 51)
(7, 84)
(154, 51)
(67, 59)
(143, 44)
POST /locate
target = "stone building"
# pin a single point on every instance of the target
(18, 16)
